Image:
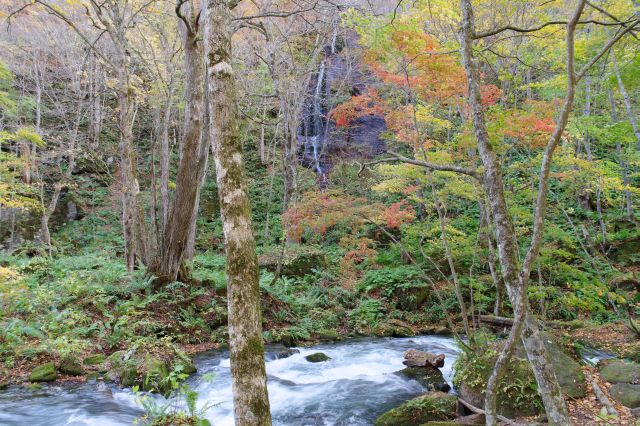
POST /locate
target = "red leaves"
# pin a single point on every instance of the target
(368, 103)
(398, 213)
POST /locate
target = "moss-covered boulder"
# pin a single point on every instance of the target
(71, 365)
(517, 391)
(295, 261)
(626, 394)
(567, 369)
(317, 357)
(43, 373)
(433, 406)
(94, 359)
(148, 365)
(429, 377)
(619, 371)
(393, 328)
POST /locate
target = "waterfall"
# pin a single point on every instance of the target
(317, 119)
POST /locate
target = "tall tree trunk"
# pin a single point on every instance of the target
(57, 188)
(193, 158)
(249, 380)
(516, 278)
(623, 164)
(626, 99)
(165, 123)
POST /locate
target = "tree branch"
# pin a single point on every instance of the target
(541, 26)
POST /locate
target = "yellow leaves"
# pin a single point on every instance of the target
(29, 134)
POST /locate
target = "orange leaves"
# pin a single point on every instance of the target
(490, 94)
(398, 213)
(320, 212)
(420, 66)
(531, 127)
(368, 103)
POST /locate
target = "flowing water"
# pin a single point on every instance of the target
(353, 388)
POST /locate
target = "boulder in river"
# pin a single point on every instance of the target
(317, 357)
(619, 371)
(43, 373)
(429, 377)
(286, 353)
(416, 358)
(432, 406)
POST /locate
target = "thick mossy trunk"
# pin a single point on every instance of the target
(249, 382)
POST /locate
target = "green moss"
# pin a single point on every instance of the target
(71, 365)
(317, 357)
(428, 407)
(94, 359)
(43, 373)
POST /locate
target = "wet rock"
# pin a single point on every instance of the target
(416, 358)
(286, 353)
(94, 359)
(429, 377)
(433, 406)
(626, 394)
(71, 365)
(43, 373)
(317, 357)
(636, 412)
(619, 371)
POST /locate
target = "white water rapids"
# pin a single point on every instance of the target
(352, 389)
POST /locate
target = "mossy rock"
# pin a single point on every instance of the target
(317, 357)
(148, 366)
(295, 261)
(626, 394)
(429, 377)
(619, 371)
(568, 370)
(43, 373)
(410, 299)
(71, 365)
(433, 406)
(94, 359)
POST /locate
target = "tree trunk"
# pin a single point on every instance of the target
(193, 158)
(249, 381)
(623, 164)
(515, 278)
(626, 99)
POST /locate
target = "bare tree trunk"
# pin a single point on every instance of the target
(445, 243)
(57, 189)
(626, 99)
(193, 158)
(164, 162)
(249, 380)
(623, 164)
(516, 278)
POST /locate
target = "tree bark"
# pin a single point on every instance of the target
(516, 278)
(627, 100)
(193, 156)
(249, 381)
(623, 164)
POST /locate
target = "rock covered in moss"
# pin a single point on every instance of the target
(317, 357)
(433, 406)
(94, 359)
(626, 394)
(619, 371)
(148, 365)
(43, 373)
(296, 261)
(71, 365)
(429, 377)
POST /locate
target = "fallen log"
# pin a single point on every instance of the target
(416, 358)
(600, 395)
(477, 410)
(495, 320)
